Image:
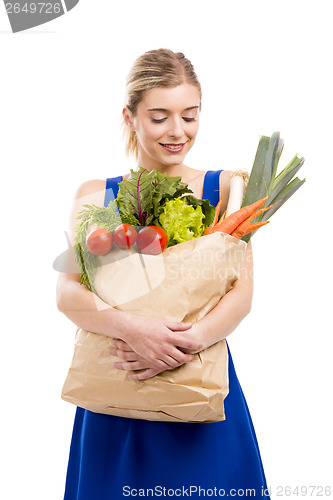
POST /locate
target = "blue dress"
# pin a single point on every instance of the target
(114, 457)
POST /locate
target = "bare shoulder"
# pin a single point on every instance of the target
(89, 192)
(225, 188)
(94, 188)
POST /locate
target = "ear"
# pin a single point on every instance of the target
(128, 118)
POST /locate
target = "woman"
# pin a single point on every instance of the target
(112, 457)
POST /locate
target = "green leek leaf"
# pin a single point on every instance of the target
(292, 188)
(288, 174)
(289, 190)
(272, 158)
(294, 162)
(255, 186)
(275, 162)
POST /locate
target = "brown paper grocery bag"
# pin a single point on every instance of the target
(183, 283)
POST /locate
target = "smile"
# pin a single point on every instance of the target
(173, 148)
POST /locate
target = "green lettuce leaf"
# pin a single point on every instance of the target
(181, 222)
(207, 209)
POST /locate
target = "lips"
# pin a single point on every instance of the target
(173, 148)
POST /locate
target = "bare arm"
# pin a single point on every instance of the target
(231, 309)
(76, 301)
(236, 304)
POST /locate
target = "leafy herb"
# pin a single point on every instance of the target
(105, 217)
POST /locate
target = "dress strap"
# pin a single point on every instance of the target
(211, 187)
(111, 189)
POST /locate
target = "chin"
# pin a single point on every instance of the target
(173, 162)
(174, 159)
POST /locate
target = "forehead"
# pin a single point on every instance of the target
(180, 97)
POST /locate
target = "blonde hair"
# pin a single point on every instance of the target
(155, 68)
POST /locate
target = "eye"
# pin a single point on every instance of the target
(160, 120)
(188, 119)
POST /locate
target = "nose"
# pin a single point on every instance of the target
(176, 127)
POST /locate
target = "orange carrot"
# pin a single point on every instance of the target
(217, 211)
(241, 229)
(216, 215)
(230, 223)
(256, 225)
(248, 229)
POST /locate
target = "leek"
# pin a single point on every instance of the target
(238, 182)
(264, 181)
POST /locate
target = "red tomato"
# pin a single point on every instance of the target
(163, 236)
(99, 241)
(152, 240)
(125, 236)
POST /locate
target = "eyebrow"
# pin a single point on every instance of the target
(165, 110)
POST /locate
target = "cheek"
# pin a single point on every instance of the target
(193, 129)
(149, 132)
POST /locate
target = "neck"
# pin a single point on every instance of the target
(149, 164)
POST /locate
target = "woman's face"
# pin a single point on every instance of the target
(166, 124)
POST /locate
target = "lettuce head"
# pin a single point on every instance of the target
(181, 222)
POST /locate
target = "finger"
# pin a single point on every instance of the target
(130, 365)
(188, 351)
(181, 358)
(170, 356)
(172, 360)
(143, 375)
(172, 363)
(190, 344)
(160, 363)
(120, 344)
(177, 325)
(126, 356)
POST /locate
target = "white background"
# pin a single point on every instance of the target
(263, 66)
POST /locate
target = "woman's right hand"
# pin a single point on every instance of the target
(158, 341)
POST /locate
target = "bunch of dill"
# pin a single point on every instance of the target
(104, 217)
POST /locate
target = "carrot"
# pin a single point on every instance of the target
(256, 225)
(248, 229)
(217, 211)
(216, 215)
(230, 223)
(241, 229)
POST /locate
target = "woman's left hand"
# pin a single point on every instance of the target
(141, 368)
